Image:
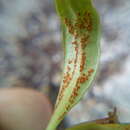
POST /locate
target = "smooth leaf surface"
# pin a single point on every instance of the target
(81, 35)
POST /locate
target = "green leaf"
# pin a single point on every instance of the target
(94, 126)
(81, 35)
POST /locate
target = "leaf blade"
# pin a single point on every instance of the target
(81, 36)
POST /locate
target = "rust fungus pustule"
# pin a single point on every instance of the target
(68, 68)
(76, 34)
(67, 107)
(84, 39)
(70, 61)
(90, 71)
(74, 42)
(79, 14)
(67, 22)
(82, 79)
(83, 61)
(69, 25)
(62, 115)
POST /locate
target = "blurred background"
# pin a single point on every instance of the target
(31, 55)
